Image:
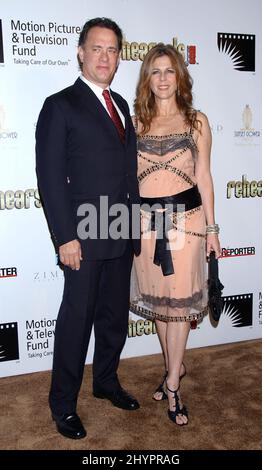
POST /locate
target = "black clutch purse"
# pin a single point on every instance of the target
(215, 302)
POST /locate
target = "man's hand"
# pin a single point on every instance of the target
(70, 254)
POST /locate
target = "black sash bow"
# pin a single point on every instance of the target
(161, 222)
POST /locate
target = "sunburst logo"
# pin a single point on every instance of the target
(8, 342)
(239, 48)
(2, 353)
(237, 311)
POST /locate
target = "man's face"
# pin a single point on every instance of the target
(100, 56)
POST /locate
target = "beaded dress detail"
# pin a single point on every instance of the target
(166, 167)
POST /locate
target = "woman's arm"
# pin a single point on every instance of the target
(204, 180)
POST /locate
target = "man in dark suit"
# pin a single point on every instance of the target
(86, 151)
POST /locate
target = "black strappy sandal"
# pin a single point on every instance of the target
(160, 388)
(178, 411)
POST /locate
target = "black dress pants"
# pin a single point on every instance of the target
(97, 294)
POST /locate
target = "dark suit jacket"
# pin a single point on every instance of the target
(79, 157)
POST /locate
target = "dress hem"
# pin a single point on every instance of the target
(150, 315)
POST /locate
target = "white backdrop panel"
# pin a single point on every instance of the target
(30, 281)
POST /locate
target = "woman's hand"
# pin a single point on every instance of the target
(213, 244)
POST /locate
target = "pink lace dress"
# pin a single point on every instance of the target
(169, 280)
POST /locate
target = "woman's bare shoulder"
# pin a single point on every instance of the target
(202, 117)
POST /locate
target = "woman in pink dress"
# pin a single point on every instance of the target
(177, 213)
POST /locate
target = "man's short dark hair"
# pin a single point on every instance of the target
(101, 23)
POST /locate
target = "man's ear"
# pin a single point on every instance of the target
(118, 60)
(80, 53)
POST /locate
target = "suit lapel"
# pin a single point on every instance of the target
(95, 107)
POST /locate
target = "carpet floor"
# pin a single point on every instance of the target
(222, 390)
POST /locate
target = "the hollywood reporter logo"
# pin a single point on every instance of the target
(8, 272)
(238, 251)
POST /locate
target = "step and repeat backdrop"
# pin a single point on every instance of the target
(221, 43)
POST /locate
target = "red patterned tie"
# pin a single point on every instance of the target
(114, 115)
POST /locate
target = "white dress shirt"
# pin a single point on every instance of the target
(98, 92)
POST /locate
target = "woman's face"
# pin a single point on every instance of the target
(163, 81)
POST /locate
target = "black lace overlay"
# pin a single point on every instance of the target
(173, 303)
(160, 146)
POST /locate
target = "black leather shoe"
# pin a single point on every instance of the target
(70, 425)
(119, 398)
